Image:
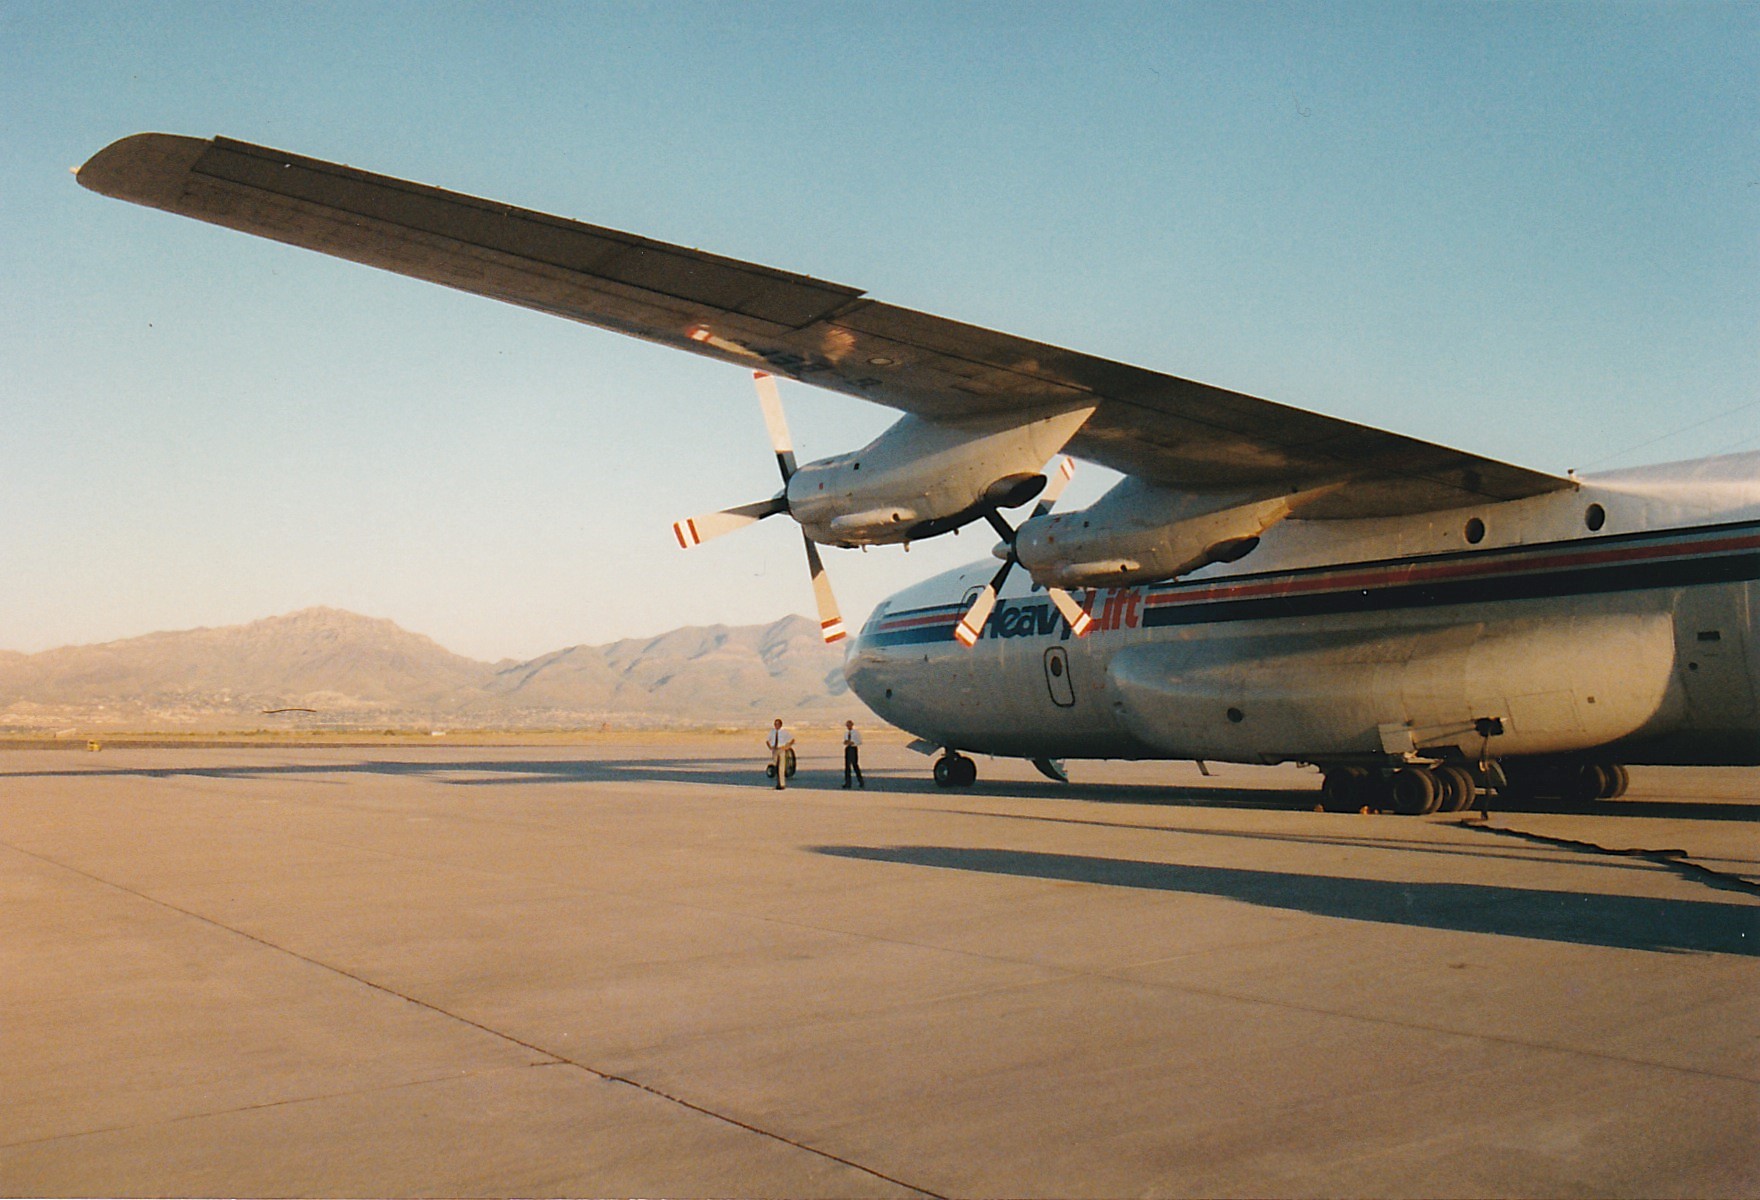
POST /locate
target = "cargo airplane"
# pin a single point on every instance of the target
(1264, 585)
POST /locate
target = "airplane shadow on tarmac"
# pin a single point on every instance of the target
(742, 772)
(730, 772)
(461, 773)
(1591, 919)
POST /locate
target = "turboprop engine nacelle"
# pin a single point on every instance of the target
(922, 477)
(1139, 532)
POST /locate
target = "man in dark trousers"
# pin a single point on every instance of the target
(852, 747)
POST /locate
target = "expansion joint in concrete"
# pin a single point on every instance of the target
(546, 1057)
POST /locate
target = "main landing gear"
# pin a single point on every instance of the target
(1417, 789)
(955, 770)
(1572, 782)
(1413, 790)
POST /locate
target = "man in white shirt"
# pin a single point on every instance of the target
(852, 742)
(779, 741)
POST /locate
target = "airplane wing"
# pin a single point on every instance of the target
(1171, 431)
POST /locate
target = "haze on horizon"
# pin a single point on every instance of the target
(1527, 230)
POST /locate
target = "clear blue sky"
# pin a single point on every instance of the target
(1528, 230)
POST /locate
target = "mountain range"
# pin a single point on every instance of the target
(356, 671)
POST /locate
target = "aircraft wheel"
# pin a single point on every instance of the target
(1375, 791)
(1619, 780)
(1416, 791)
(1343, 789)
(790, 764)
(944, 771)
(1522, 782)
(1458, 788)
(965, 772)
(1590, 781)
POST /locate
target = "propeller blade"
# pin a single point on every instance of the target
(771, 402)
(971, 625)
(694, 531)
(1072, 612)
(1057, 479)
(830, 620)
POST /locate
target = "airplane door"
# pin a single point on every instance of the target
(1709, 624)
(1063, 692)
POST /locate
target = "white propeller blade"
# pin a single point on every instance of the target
(1072, 612)
(1057, 479)
(694, 531)
(830, 620)
(771, 402)
(971, 625)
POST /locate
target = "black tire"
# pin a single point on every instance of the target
(1621, 780)
(1458, 789)
(769, 770)
(965, 772)
(1590, 781)
(1416, 792)
(944, 771)
(1343, 789)
(1523, 782)
(1375, 791)
(788, 762)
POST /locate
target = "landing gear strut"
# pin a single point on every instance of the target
(955, 770)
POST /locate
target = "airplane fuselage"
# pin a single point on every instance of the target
(1616, 619)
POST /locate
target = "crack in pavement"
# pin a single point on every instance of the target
(1678, 861)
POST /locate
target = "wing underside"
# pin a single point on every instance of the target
(1168, 430)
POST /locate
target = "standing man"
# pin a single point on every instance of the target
(779, 741)
(852, 750)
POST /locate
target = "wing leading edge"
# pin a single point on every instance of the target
(1170, 431)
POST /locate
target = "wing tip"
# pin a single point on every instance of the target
(144, 168)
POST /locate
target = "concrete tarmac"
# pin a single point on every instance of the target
(631, 968)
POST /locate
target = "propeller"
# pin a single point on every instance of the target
(977, 614)
(694, 531)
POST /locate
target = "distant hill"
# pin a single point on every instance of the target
(365, 671)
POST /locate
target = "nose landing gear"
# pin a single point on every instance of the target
(955, 770)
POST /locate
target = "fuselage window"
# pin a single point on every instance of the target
(1057, 677)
